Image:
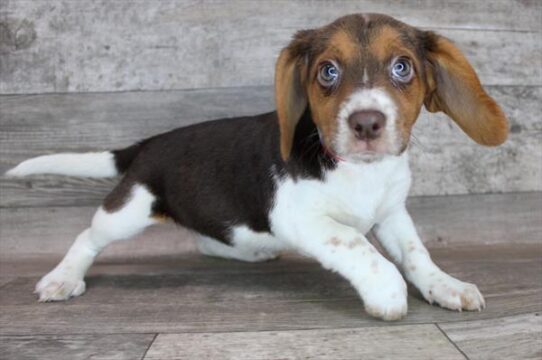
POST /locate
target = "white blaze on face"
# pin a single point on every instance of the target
(347, 145)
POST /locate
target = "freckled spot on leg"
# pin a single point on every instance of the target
(412, 268)
(334, 241)
(411, 248)
(372, 250)
(453, 293)
(356, 242)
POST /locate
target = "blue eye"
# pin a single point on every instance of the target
(402, 69)
(328, 75)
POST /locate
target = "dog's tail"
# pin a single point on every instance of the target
(93, 164)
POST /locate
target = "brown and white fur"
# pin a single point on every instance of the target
(315, 176)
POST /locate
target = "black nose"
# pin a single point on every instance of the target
(367, 124)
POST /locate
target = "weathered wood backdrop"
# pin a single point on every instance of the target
(129, 69)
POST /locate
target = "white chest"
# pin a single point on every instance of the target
(354, 194)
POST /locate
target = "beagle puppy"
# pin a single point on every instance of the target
(315, 176)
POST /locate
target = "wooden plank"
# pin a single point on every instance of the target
(45, 238)
(513, 337)
(106, 346)
(447, 221)
(69, 122)
(183, 261)
(136, 45)
(441, 157)
(397, 342)
(441, 221)
(228, 317)
(282, 295)
(5, 279)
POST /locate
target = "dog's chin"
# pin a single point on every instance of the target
(365, 157)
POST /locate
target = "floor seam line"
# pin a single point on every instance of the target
(149, 347)
(228, 331)
(452, 342)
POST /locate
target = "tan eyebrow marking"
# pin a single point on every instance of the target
(344, 43)
(383, 42)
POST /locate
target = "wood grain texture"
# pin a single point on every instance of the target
(397, 342)
(80, 46)
(75, 347)
(274, 296)
(5, 279)
(30, 233)
(443, 222)
(452, 221)
(443, 159)
(513, 337)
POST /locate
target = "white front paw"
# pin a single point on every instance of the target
(59, 286)
(453, 294)
(386, 295)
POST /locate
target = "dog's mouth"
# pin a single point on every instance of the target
(360, 151)
(369, 153)
(365, 156)
(368, 147)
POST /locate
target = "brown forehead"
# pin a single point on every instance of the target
(341, 45)
(387, 42)
(376, 35)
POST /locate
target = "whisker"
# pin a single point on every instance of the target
(310, 146)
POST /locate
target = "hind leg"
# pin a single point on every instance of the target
(246, 245)
(67, 278)
(211, 247)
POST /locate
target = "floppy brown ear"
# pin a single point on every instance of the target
(290, 93)
(454, 88)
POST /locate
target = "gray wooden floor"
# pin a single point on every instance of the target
(176, 304)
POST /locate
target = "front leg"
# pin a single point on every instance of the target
(398, 235)
(343, 249)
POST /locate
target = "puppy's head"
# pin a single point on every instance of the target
(365, 78)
